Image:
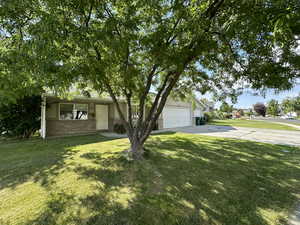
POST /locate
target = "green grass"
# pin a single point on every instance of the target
(188, 179)
(252, 124)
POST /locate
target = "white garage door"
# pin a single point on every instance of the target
(176, 117)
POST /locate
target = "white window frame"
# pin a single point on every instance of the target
(73, 110)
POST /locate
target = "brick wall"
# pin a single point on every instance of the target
(69, 127)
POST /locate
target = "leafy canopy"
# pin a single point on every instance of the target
(212, 44)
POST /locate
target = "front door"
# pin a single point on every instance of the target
(101, 117)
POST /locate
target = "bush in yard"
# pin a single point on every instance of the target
(219, 115)
(249, 114)
(228, 116)
(119, 128)
(209, 116)
(22, 118)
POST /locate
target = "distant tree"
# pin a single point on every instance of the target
(288, 105)
(22, 118)
(273, 108)
(291, 105)
(297, 104)
(260, 109)
(225, 107)
(250, 113)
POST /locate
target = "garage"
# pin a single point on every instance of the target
(176, 117)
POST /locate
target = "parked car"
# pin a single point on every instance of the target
(287, 117)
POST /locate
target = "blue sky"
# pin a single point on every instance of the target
(248, 99)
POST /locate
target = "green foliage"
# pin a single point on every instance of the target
(21, 119)
(209, 116)
(291, 105)
(222, 115)
(225, 107)
(273, 108)
(56, 44)
(287, 105)
(250, 113)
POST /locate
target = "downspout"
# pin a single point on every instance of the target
(43, 117)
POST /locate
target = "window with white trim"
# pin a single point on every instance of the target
(71, 111)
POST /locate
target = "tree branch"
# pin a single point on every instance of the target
(113, 96)
(170, 39)
(164, 92)
(213, 8)
(112, 17)
(128, 96)
(143, 97)
(88, 18)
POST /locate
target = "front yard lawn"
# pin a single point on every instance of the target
(253, 124)
(188, 179)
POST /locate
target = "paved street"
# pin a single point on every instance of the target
(252, 134)
(280, 120)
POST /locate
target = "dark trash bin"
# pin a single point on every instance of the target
(198, 121)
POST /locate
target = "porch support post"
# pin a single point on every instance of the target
(43, 117)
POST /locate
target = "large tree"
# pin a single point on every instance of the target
(129, 48)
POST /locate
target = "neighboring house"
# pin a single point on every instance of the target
(247, 110)
(235, 114)
(88, 115)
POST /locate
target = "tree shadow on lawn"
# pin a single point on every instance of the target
(187, 180)
(38, 160)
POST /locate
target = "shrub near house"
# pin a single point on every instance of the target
(22, 118)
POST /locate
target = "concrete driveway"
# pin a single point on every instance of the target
(252, 134)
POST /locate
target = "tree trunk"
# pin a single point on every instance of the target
(136, 148)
